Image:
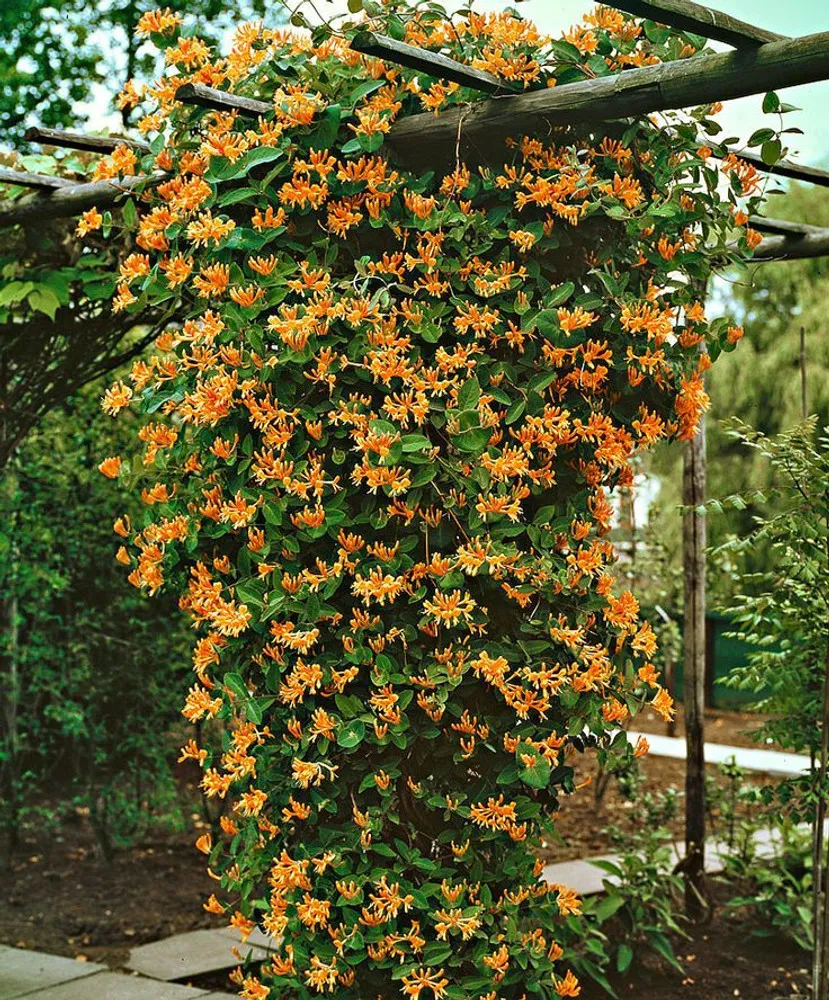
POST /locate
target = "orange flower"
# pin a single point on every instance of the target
(110, 467)
(161, 22)
(569, 986)
(90, 220)
(425, 979)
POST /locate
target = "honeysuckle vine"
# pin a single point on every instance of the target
(377, 456)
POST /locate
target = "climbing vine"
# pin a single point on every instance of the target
(379, 451)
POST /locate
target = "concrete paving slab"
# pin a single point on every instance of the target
(117, 986)
(751, 758)
(190, 954)
(23, 972)
(257, 939)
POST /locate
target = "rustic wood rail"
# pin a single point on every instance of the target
(41, 182)
(477, 132)
(78, 140)
(433, 63)
(699, 20)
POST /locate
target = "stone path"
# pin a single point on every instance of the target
(197, 952)
(36, 976)
(587, 880)
(750, 758)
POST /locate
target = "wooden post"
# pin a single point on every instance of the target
(693, 547)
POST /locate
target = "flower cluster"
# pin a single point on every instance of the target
(378, 460)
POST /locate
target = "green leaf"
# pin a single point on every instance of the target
(771, 103)
(352, 734)
(534, 770)
(760, 136)
(515, 411)
(608, 906)
(128, 213)
(561, 293)
(624, 956)
(236, 685)
(329, 125)
(43, 299)
(415, 442)
(469, 394)
(473, 439)
(771, 152)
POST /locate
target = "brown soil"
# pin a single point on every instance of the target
(722, 959)
(59, 897)
(582, 819)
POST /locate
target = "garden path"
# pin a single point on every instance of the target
(774, 762)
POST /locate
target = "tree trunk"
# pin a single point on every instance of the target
(694, 544)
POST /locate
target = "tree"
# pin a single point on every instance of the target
(53, 55)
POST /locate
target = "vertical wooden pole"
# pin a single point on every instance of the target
(694, 489)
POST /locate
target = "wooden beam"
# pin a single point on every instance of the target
(42, 182)
(785, 168)
(77, 140)
(431, 63)
(220, 100)
(794, 247)
(782, 227)
(699, 20)
(68, 200)
(426, 140)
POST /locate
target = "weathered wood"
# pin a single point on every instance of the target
(781, 227)
(43, 182)
(68, 200)
(785, 168)
(432, 63)
(812, 244)
(220, 100)
(699, 20)
(478, 132)
(78, 140)
(694, 489)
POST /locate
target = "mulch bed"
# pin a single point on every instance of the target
(722, 959)
(58, 897)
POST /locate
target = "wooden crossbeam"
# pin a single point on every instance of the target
(431, 63)
(785, 168)
(41, 182)
(68, 200)
(477, 132)
(782, 227)
(794, 247)
(220, 100)
(699, 20)
(78, 140)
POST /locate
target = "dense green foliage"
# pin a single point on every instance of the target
(784, 611)
(53, 55)
(99, 671)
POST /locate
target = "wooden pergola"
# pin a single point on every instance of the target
(760, 61)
